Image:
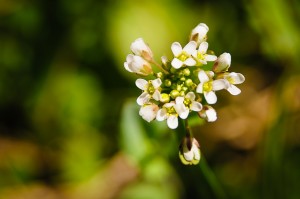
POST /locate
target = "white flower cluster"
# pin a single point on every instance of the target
(183, 84)
(188, 82)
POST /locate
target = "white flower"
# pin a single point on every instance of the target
(168, 112)
(183, 56)
(208, 113)
(140, 48)
(148, 112)
(136, 64)
(234, 78)
(201, 56)
(222, 63)
(198, 34)
(189, 151)
(150, 88)
(187, 103)
(208, 87)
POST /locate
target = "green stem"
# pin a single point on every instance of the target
(159, 66)
(212, 179)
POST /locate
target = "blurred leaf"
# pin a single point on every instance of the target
(133, 138)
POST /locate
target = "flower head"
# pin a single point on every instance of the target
(183, 56)
(184, 83)
(208, 113)
(151, 90)
(148, 111)
(201, 56)
(223, 63)
(208, 86)
(168, 112)
(198, 34)
(140, 48)
(184, 104)
(136, 64)
(234, 78)
(189, 151)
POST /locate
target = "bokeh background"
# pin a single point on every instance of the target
(69, 123)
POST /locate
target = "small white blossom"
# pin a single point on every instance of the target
(189, 151)
(140, 48)
(222, 63)
(187, 103)
(208, 113)
(148, 111)
(198, 34)
(151, 90)
(208, 86)
(201, 56)
(136, 64)
(234, 78)
(168, 112)
(183, 56)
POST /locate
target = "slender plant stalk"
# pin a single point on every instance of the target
(212, 179)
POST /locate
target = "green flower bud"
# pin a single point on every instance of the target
(173, 70)
(178, 87)
(165, 98)
(188, 82)
(186, 72)
(182, 93)
(159, 75)
(174, 93)
(167, 83)
(182, 79)
(184, 88)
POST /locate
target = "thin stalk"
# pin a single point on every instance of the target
(212, 179)
(159, 66)
(207, 171)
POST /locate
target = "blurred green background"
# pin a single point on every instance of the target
(69, 123)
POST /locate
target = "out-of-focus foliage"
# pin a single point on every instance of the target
(69, 123)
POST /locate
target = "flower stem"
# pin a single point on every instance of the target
(159, 66)
(212, 179)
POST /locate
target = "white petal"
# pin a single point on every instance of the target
(203, 47)
(190, 95)
(188, 155)
(210, 97)
(139, 47)
(220, 84)
(199, 88)
(141, 84)
(179, 100)
(189, 62)
(176, 63)
(164, 60)
(196, 106)
(202, 76)
(182, 110)
(148, 112)
(211, 115)
(238, 78)
(161, 114)
(126, 67)
(156, 95)
(201, 29)
(222, 63)
(129, 58)
(196, 152)
(210, 58)
(176, 49)
(233, 90)
(172, 122)
(156, 83)
(190, 47)
(143, 98)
